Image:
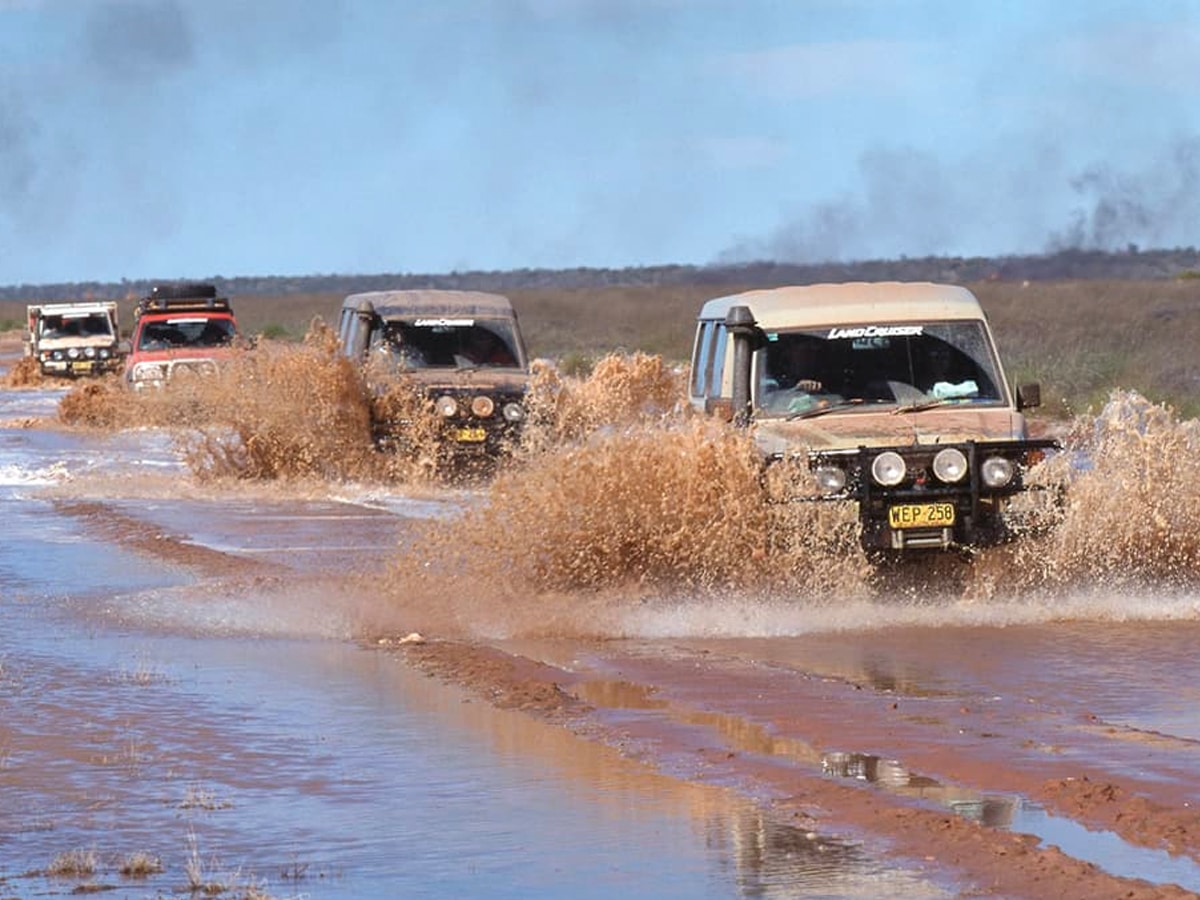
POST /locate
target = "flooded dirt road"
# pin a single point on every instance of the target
(216, 689)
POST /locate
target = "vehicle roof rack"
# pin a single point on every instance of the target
(187, 297)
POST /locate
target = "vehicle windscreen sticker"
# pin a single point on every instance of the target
(870, 331)
(444, 323)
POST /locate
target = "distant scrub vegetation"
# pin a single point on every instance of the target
(1081, 323)
(1071, 263)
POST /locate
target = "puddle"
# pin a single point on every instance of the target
(235, 729)
(1104, 849)
(356, 775)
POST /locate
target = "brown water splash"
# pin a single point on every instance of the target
(622, 389)
(25, 372)
(569, 542)
(1131, 514)
(618, 486)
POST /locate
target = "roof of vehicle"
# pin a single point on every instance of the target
(79, 307)
(217, 308)
(850, 303)
(389, 304)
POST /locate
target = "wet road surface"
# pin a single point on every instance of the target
(183, 676)
(182, 681)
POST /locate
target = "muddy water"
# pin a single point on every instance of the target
(738, 643)
(180, 684)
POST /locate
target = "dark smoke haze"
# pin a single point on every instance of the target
(152, 138)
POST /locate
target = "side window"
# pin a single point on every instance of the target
(701, 354)
(717, 358)
(346, 326)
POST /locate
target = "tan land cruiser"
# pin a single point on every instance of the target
(74, 339)
(462, 349)
(892, 393)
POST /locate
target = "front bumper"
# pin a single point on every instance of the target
(922, 511)
(463, 422)
(76, 367)
(154, 373)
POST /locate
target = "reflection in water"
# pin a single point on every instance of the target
(377, 790)
(359, 777)
(889, 774)
(1104, 849)
(215, 722)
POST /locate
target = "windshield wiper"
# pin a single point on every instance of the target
(923, 405)
(831, 407)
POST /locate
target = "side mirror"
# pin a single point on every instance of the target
(1029, 395)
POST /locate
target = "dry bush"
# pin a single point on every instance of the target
(140, 865)
(73, 864)
(1083, 339)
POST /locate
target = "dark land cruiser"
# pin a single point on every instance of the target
(461, 349)
(891, 393)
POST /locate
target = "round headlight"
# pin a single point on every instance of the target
(104, 353)
(950, 465)
(514, 412)
(73, 352)
(888, 468)
(446, 406)
(482, 406)
(148, 372)
(90, 352)
(997, 471)
(830, 479)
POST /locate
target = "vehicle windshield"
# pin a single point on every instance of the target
(88, 325)
(171, 334)
(445, 343)
(864, 367)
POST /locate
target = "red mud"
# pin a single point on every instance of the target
(996, 861)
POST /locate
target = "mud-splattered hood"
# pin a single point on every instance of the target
(66, 342)
(504, 381)
(851, 429)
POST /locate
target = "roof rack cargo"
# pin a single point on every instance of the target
(185, 297)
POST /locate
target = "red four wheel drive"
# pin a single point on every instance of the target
(179, 327)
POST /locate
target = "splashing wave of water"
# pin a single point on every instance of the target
(620, 502)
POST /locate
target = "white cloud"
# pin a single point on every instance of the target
(814, 70)
(746, 152)
(1165, 56)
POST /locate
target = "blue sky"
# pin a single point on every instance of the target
(193, 138)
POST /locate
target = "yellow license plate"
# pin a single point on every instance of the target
(921, 515)
(470, 435)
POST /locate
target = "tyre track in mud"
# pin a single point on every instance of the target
(710, 736)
